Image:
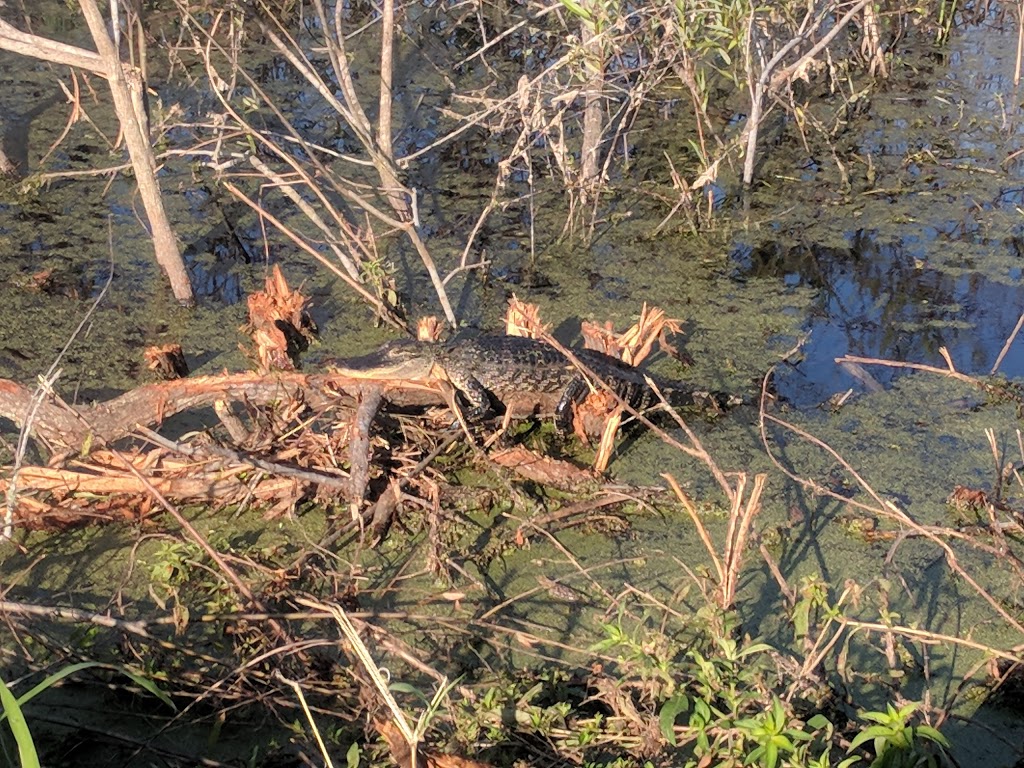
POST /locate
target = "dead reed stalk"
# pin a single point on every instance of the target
(742, 512)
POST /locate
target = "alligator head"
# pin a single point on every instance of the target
(403, 359)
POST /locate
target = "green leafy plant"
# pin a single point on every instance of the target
(773, 734)
(897, 744)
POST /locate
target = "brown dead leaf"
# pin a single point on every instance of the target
(428, 329)
(402, 754)
(967, 499)
(41, 281)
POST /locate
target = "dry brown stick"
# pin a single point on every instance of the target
(931, 637)
(368, 399)
(330, 236)
(200, 540)
(741, 519)
(385, 99)
(189, 529)
(274, 467)
(578, 508)
(773, 567)
(769, 80)
(394, 190)
(1020, 320)
(107, 63)
(141, 152)
(138, 628)
(385, 312)
(69, 613)
(576, 563)
(950, 371)
(481, 620)
(702, 531)
(16, 41)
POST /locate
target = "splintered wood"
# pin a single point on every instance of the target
(631, 346)
(279, 325)
(634, 345)
(522, 319)
(167, 361)
(104, 488)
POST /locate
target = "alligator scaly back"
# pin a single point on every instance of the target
(489, 371)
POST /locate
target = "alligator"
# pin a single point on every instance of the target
(490, 371)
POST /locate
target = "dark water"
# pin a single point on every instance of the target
(881, 299)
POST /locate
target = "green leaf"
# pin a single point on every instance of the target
(820, 722)
(878, 717)
(399, 687)
(931, 734)
(577, 10)
(783, 743)
(143, 682)
(12, 711)
(670, 710)
(352, 756)
(701, 712)
(874, 732)
(50, 681)
(149, 686)
(754, 648)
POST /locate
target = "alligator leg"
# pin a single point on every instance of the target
(574, 394)
(475, 394)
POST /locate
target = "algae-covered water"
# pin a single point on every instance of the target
(915, 247)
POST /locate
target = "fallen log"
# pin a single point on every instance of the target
(99, 485)
(72, 427)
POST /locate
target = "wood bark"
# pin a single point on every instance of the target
(74, 426)
(593, 111)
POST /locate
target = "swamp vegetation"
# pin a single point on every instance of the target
(816, 206)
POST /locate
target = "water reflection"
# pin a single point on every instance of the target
(882, 299)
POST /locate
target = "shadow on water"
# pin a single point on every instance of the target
(882, 299)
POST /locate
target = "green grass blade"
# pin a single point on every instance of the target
(56, 677)
(22, 736)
